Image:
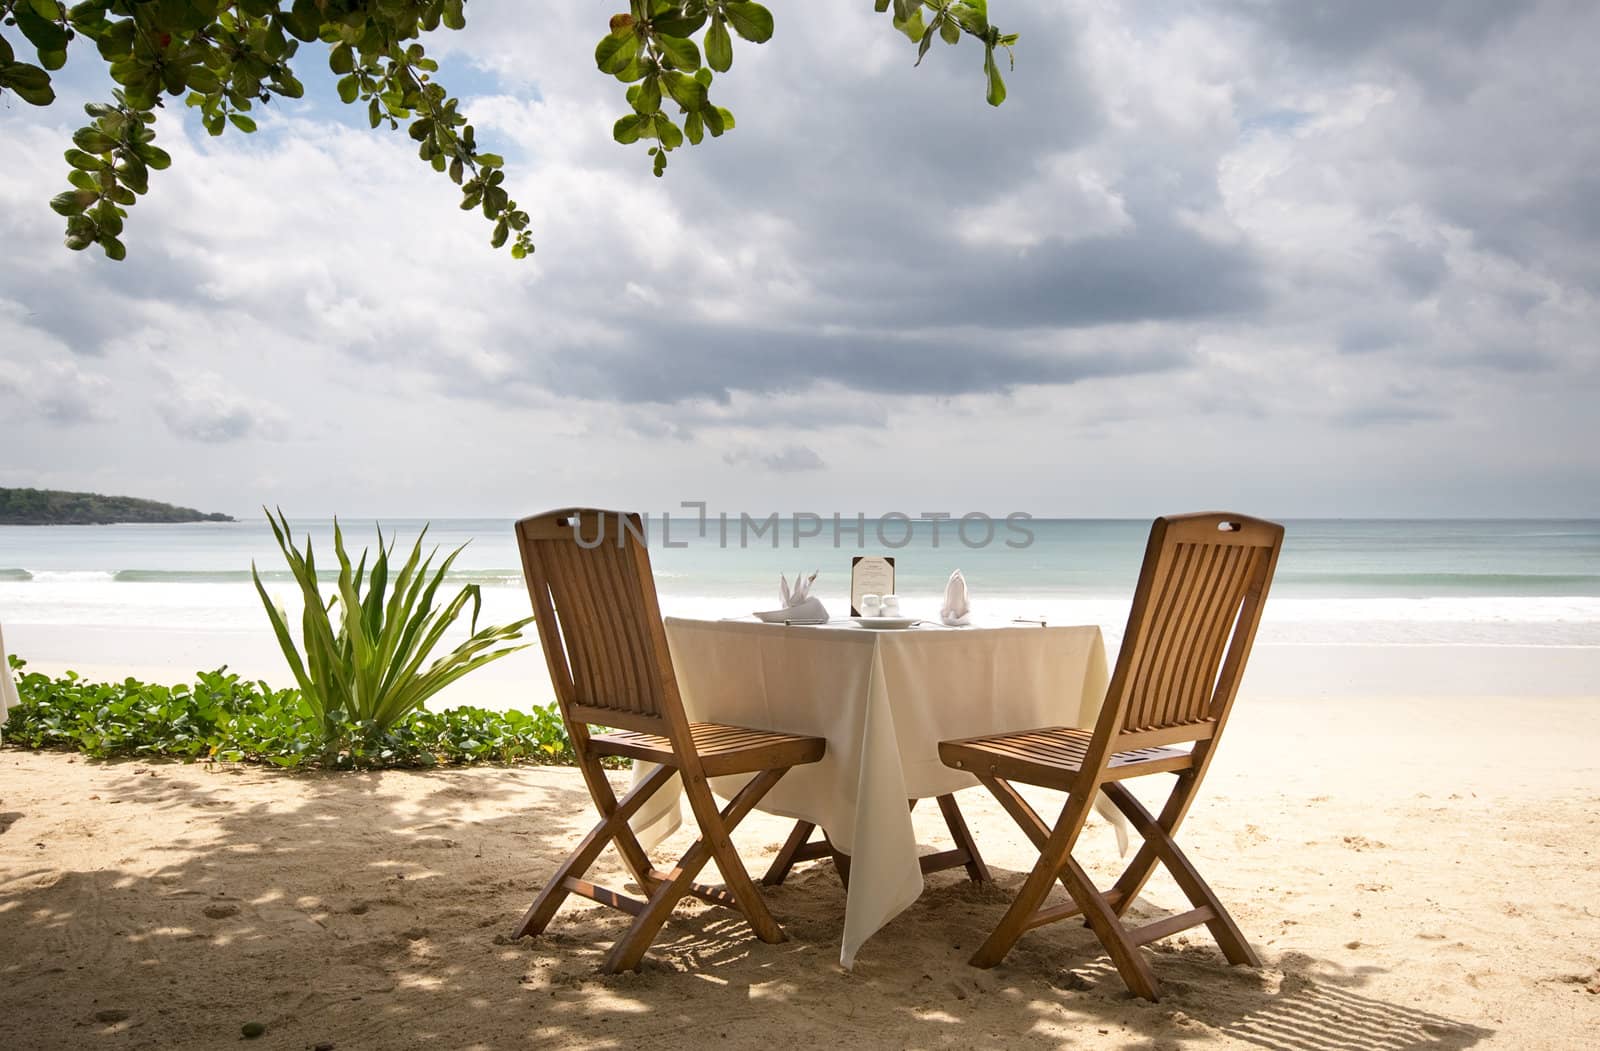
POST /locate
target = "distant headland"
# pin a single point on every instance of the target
(53, 507)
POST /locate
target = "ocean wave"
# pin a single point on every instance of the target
(488, 577)
(15, 574)
(64, 576)
(1533, 584)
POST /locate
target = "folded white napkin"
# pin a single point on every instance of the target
(956, 611)
(798, 603)
(802, 590)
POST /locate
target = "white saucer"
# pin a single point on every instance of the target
(887, 623)
(783, 616)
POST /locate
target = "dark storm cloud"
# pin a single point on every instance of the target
(1386, 413)
(1159, 272)
(1342, 30)
(683, 362)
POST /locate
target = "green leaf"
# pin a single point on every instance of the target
(679, 25)
(42, 31)
(31, 84)
(342, 59)
(242, 122)
(93, 140)
(83, 161)
(750, 20)
(683, 54)
(719, 46)
(204, 81)
(629, 128)
(686, 91)
(912, 27)
(72, 202)
(134, 173)
(670, 134)
(615, 51)
(154, 156)
(645, 96)
(973, 15)
(997, 87)
(349, 88)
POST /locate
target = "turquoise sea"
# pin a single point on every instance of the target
(1533, 581)
(1056, 557)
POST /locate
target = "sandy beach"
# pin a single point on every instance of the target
(1415, 873)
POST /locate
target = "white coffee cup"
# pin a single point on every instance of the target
(871, 605)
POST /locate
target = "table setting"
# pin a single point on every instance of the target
(884, 689)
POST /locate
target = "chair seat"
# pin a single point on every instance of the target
(723, 749)
(1051, 757)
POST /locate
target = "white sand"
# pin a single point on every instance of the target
(1276, 670)
(1416, 874)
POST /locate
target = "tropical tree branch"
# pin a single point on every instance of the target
(226, 57)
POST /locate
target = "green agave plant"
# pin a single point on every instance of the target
(368, 668)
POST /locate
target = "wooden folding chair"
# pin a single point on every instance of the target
(1196, 609)
(594, 600)
(799, 847)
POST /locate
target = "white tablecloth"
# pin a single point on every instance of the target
(884, 700)
(8, 688)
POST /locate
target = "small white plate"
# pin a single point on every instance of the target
(887, 623)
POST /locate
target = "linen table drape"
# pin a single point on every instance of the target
(884, 700)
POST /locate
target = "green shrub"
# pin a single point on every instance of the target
(367, 671)
(226, 718)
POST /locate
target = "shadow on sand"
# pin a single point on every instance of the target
(355, 916)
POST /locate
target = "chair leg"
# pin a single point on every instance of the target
(798, 848)
(1054, 855)
(1056, 862)
(1129, 961)
(716, 826)
(716, 829)
(1025, 816)
(977, 871)
(544, 907)
(1161, 846)
(605, 800)
(779, 870)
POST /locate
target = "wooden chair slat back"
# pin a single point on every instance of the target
(594, 597)
(1198, 601)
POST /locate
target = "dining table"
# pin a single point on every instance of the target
(883, 699)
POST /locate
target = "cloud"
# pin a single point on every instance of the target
(1196, 243)
(201, 408)
(788, 460)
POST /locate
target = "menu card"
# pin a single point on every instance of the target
(870, 575)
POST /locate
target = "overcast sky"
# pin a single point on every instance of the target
(1289, 258)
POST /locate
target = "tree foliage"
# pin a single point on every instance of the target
(226, 57)
(54, 507)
